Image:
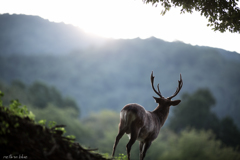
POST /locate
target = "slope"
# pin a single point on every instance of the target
(117, 72)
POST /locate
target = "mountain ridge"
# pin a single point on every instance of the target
(112, 73)
(34, 35)
(59, 38)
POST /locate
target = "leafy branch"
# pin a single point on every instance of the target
(222, 15)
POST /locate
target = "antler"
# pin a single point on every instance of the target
(152, 82)
(180, 84)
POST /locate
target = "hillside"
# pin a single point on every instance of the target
(117, 72)
(21, 137)
(21, 34)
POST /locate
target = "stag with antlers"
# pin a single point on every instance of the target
(143, 125)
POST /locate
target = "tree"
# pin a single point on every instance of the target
(21, 137)
(38, 95)
(195, 112)
(223, 15)
(103, 127)
(229, 132)
(193, 145)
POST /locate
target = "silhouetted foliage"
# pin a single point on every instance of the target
(195, 112)
(223, 15)
(229, 133)
(22, 138)
(98, 131)
(37, 95)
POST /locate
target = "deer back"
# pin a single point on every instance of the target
(147, 123)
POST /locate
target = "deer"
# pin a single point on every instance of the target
(143, 125)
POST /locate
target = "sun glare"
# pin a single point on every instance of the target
(114, 19)
(125, 19)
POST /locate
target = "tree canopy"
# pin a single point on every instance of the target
(195, 112)
(222, 15)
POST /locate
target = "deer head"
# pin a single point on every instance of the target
(167, 102)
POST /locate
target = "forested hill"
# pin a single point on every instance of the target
(21, 34)
(117, 72)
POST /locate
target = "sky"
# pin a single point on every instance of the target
(126, 19)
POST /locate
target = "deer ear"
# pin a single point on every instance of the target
(156, 99)
(176, 102)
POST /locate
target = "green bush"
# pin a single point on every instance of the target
(190, 144)
(21, 136)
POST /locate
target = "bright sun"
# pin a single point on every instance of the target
(108, 18)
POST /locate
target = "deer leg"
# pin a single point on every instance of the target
(140, 149)
(119, 136)
(145, 148)
(133, 138)
(129, 145)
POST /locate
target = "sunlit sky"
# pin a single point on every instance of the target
(126, 19)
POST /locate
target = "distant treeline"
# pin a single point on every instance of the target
(107, 74)
(193, 131)
(37, 94)
(112, 76)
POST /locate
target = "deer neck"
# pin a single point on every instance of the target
(161, 113)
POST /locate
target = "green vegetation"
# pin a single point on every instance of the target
(51, 115)
(108, 78)
(116, 72)
(222, 15)
(195, 112)
(104, 79)
(38, 94)
(46, 103)
(99, 131)
(191, 144)
(21, 137)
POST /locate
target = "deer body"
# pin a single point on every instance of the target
(143, 125)
(148, 123)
